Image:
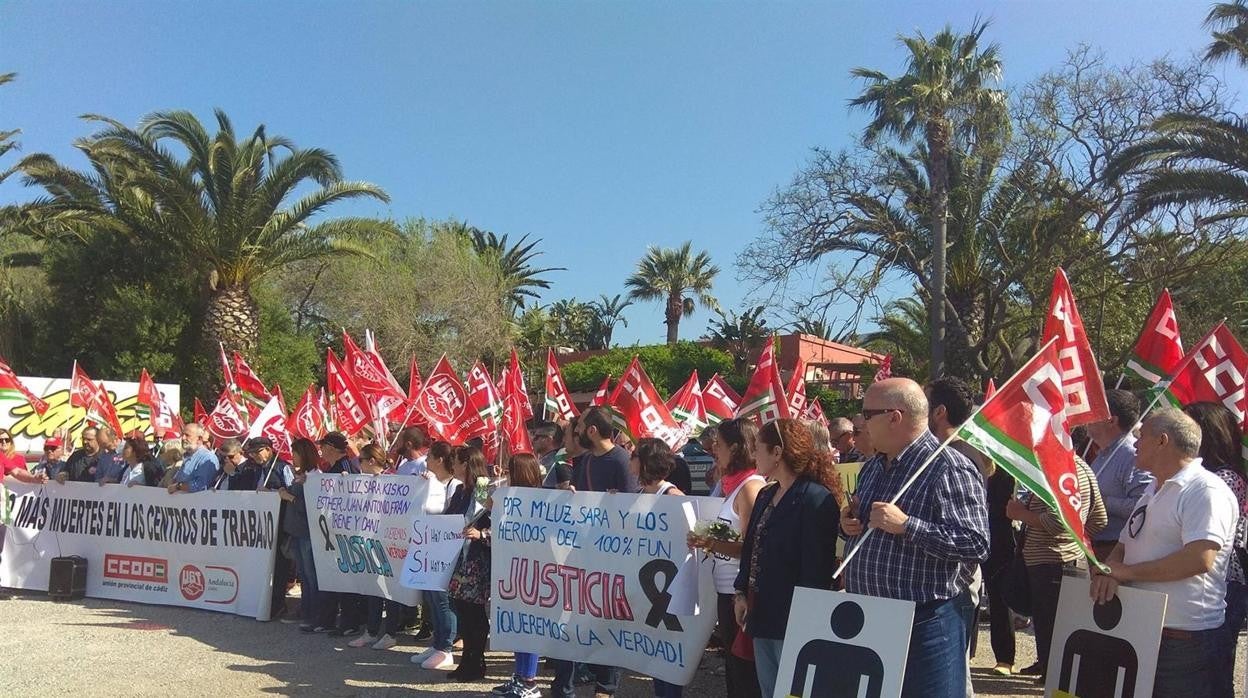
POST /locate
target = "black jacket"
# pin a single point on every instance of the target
(799, 549)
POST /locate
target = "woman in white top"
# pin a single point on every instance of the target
(440, 655)
(741, 483)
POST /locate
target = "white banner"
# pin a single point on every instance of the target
(432, 552)
(361, 526)
(209, 550)
(585, 576)
(29, 429)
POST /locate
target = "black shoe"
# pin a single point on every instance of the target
(1033, 670)
(425, 633)
(465, 673)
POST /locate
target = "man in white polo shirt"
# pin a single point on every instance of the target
(1177, 541)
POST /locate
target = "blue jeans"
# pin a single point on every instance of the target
(1185, 667)
(307, 577)
(663, 689)
(767, 663)
(1228, 636)
(606, 679)
(442, 618)
(526, 665)
(936, 667)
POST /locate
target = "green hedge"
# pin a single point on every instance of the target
(667, 365)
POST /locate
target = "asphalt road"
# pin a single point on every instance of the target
(97, 647)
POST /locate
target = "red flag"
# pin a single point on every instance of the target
(688, 408)
(281, 399)
(1081, 378)
(886, 369)
(515, 402)
(200, 416)
(1213, 371)
(485, 401)
(159, 415)
(176, 429)
(515, 374)
(443, 402)
(764, 399)
(989, 390)
(225, 421)
(797, 388)
(227, 374)
(1158, 350)
(271, 423)
(603, 394)
(11, 386)
(720, 400)
(558, 401)
(308, 420)
(814, 412)
(350, 410)
(249, 384)
(372, 377)
(1024, 429)
(91, 396)
(640, 413)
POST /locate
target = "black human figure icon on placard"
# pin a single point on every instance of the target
(1101, 657)
(839, 667)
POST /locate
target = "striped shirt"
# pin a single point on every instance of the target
(1049, 543)
(946, 534)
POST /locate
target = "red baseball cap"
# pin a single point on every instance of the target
(51, 442)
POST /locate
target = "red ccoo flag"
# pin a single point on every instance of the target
(687, 406)
(886, 369)
(200, 415)
(720, 400)
(92, 397)
(603, 394)
(764, 399)
(350, 410)
(1081, 378)
(797, 388)
(558, 401)
(640, 413)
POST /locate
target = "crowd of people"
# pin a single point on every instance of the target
(1163, 499)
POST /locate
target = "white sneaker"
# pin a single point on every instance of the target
(420, 658)
(362, 641)
(439, 660)
(385, 642)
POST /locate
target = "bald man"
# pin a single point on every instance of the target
(928, 543)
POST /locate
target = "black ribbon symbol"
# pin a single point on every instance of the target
(660, 599)
(325, 532)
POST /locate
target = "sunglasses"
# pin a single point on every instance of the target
(5, 440)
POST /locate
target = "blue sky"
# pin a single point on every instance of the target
(599, 127)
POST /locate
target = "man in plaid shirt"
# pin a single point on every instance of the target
(929, 542)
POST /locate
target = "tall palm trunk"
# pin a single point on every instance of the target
(938, 133)
(232, 319)
(962, 335)
(675, 305)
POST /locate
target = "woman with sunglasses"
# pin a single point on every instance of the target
(13, 464)
(791, 539)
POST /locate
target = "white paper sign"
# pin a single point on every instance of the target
(361, 526)
(684, 588)
(208, 550)
(841, 645)
(586, 576)
(432, 551)
(1104, 649)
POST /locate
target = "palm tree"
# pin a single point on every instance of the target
(677, 277)
(817, 327)
(944, 84)
(515, 265)
(609, 312)
(6, 137)
(1229, 20)
(742, 336)
(228, 210)
(904, 333)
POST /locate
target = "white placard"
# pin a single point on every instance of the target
(361, 528)
(433, 548)
(209, 550)
(586, 576)
(840, 645)
(1104, 649)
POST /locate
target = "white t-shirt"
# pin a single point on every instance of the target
(440, 494)
(1193, 505)
(412, 466)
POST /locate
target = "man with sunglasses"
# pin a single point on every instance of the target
(930, 540)
(1177, 541)
(844, 437)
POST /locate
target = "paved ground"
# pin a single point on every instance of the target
(107, 648)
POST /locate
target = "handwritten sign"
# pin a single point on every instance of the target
(433, 549)
(587, 576)
(361, 528)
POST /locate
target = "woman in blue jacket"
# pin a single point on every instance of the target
(791, 538)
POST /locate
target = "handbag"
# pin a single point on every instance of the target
(743, 644)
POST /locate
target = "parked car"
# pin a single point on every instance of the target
(699, 461)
